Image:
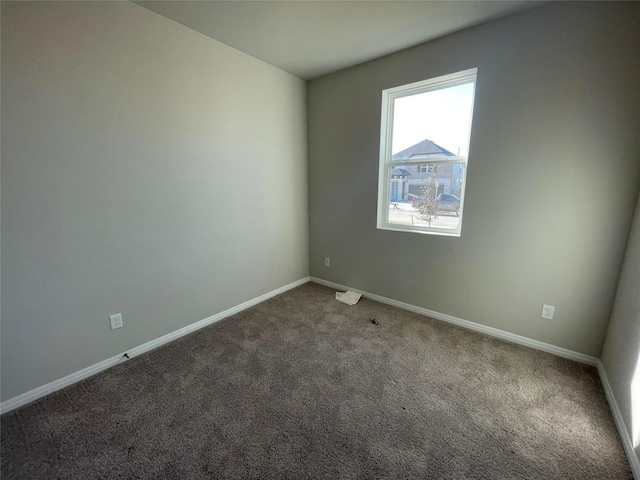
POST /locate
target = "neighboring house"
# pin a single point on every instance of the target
(407, 182)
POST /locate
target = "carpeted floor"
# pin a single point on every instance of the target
(303, 386)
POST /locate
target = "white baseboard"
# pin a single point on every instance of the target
(51, 387)
(545, 347)
(494, 332)
(63, 382)
(625, 437)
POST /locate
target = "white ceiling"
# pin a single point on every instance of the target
(313, 38)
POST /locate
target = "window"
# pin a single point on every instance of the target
(428, 121)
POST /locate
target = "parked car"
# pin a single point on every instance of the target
(446, 203)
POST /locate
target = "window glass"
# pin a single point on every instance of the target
(425, 120)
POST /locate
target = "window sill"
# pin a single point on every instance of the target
(443, 233)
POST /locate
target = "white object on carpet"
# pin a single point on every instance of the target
(348, 297)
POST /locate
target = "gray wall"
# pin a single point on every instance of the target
(621, 352)
(553, 174)
(146, 169)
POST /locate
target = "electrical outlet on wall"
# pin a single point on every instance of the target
(116, 321)
(327, 262)
(547, 311)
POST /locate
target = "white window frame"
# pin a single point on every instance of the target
(386, 163)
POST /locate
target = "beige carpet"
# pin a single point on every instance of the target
(303, 386)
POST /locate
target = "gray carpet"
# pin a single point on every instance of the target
(302, 386)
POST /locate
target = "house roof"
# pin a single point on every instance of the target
(400, 171)
(425, 148)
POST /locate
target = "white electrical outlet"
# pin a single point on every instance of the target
(116, 321)
(547, 311)
(327, 262)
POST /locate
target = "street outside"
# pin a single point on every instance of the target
(405, 214)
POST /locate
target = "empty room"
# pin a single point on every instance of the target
(320, 239)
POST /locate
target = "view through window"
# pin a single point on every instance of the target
(424, 149)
